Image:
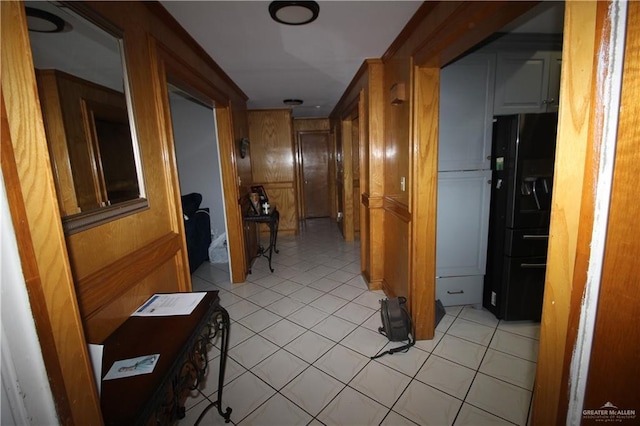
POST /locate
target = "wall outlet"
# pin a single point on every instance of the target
(493, 298)
(339, 216)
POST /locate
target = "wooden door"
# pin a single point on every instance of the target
(314, 148)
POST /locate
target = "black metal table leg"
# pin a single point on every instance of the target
(221, 323)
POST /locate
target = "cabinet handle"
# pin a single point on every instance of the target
(455, 292)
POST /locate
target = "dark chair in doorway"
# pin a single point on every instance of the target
(197, 227)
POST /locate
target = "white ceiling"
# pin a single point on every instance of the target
(271, 62)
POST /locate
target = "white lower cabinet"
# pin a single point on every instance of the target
(454, 291)
(462, 232)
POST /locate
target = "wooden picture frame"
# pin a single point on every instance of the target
(259, 189)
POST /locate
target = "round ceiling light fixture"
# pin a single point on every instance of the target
(41, 21)
(294, 12)
(292, 102)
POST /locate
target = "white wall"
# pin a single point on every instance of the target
(195, 136)
(26, 395)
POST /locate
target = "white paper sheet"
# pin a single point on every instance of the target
(132, 367)
(160, 305)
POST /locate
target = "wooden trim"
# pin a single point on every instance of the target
(51, 289)
(235, 228)
(158, 10)
(413, 26)
(572, 211)
(469, 23)
(351, 89)
(424, 196)
(175, 70)
(30, 267)
(397, 208)
(373, 202)
(107, 284)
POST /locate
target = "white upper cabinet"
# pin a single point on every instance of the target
(527, 82)
(466, 111)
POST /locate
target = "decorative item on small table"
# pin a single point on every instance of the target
(254, 200)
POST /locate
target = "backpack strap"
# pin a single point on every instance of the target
(403, 348)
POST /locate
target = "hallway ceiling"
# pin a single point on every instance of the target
(271, 62)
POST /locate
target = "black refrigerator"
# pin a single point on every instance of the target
(522, 157)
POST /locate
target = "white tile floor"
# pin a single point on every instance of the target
(301, 340)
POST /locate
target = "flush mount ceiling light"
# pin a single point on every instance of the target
(292, 102)
(294, 12)
(41, 21)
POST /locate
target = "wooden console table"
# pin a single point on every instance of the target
(272, 220)
(182, 342)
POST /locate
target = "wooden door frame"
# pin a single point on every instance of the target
(573, 184)
(346, 123)
(300, 169)
(41, 242)
(177, 72)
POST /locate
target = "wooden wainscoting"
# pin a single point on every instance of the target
(272, 165)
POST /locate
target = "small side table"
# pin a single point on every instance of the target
(183, 342)
(272, 220)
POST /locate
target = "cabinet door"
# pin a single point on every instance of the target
(553, 96)
(522, 83)
(466, 112)
(462, 223)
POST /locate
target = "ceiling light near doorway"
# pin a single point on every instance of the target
(294, 12)
(41, 21)
(292, 102)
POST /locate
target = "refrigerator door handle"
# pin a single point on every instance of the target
(533, 265)
(535, 237)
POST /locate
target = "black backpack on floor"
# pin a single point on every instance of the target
(397, 325)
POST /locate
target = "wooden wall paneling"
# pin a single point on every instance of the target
(355, 169)
(362, 197)
(572, 211)
(616, 378)
(124, 236)
(375, 185)
(333, 170)
(109, 285)
(311, 124)
(397, 222)
(271, 146)
(424, 197)
(31, 192)
(283, 197)
(397, 131)
(270, 132)
(347, 178)
(159, 280)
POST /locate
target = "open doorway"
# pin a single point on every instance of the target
(198, 164)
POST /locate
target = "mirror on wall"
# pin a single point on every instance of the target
(85, 100)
